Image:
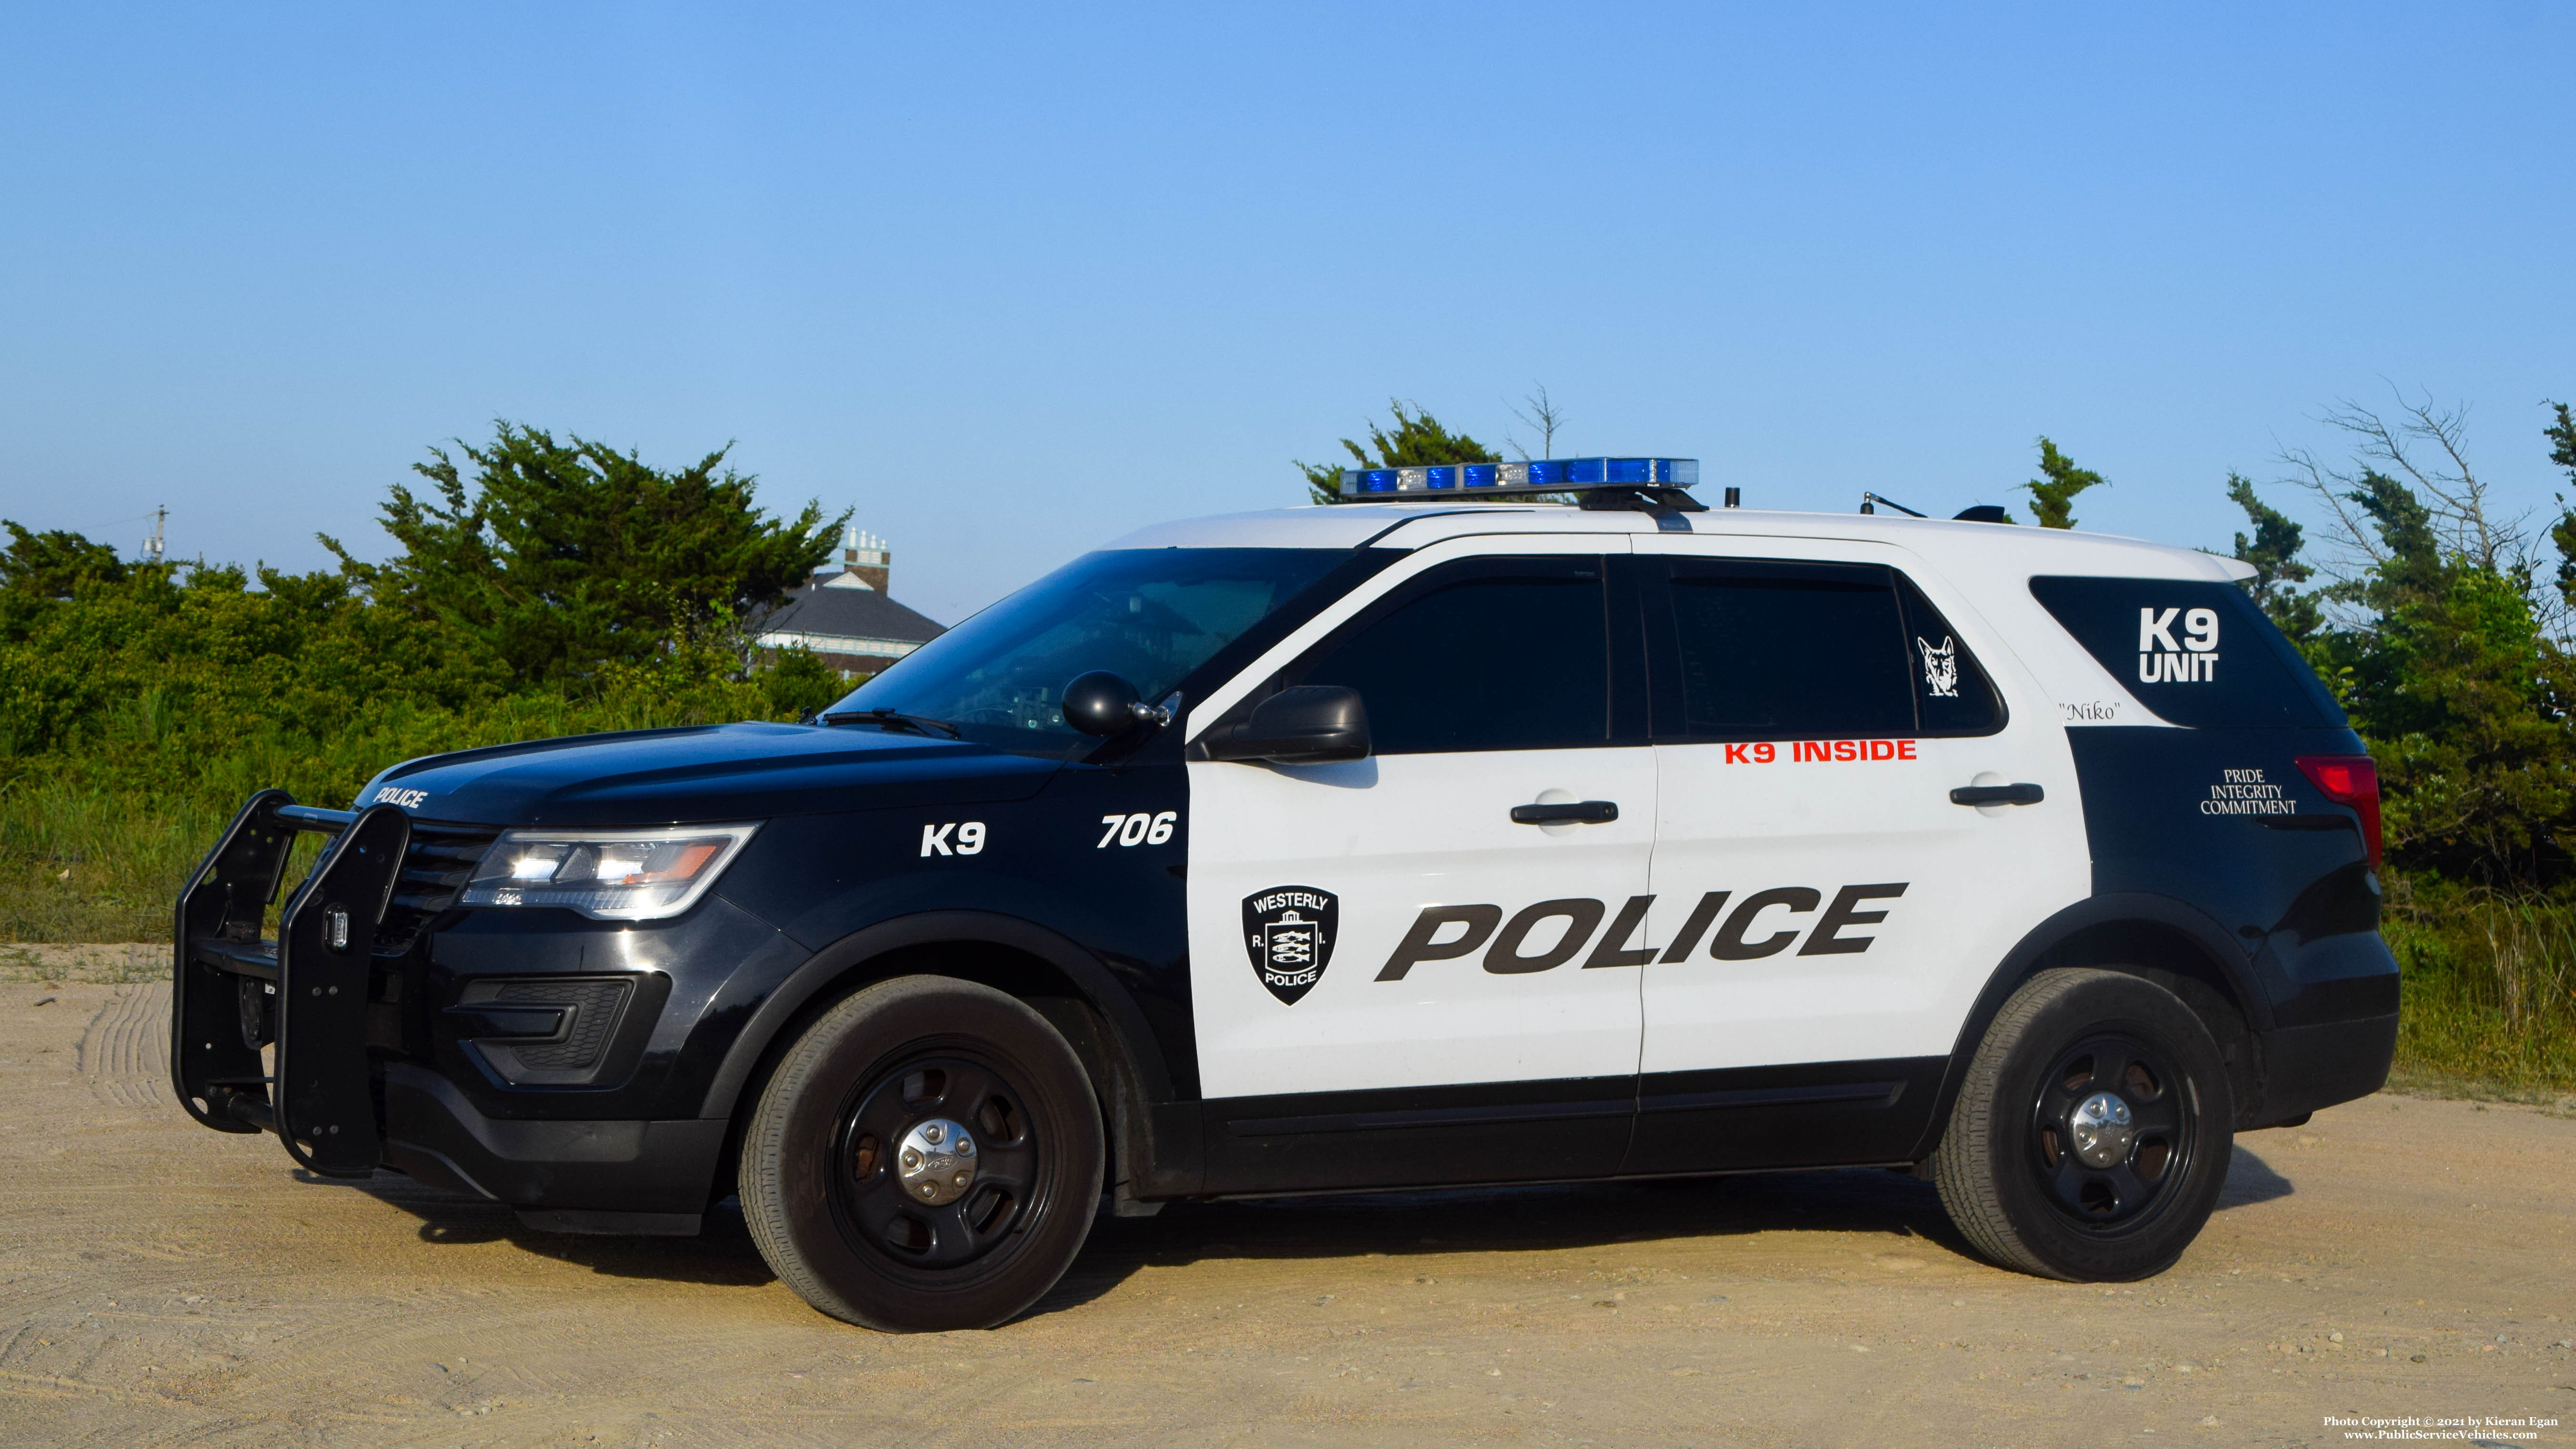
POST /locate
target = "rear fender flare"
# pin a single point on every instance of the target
(2032, 954)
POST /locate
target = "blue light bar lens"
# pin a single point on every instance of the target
(1532, 475)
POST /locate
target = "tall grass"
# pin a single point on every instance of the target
(2489, 989)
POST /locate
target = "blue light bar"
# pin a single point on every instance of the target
(1546, 475)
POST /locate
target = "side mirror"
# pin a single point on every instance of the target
(1100, 703)
(1313, 724)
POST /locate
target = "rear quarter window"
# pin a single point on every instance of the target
(2199, 654)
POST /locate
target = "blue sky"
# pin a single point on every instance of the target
(1012, 281)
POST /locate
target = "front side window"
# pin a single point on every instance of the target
(1489, 654)
(1149, 615)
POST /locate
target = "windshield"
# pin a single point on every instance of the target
(1148, 615)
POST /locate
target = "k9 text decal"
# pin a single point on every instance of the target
(2162, 660)
(1142, 828)
(1823, 752)
(1446, 933)
(969, 841)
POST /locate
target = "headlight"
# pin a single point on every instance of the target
(610, 875)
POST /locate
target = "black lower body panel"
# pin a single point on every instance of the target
(1419, 1136)
(1812, 1114)
(2308, 1067)
(568, 1176)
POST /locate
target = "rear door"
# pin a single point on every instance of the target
(1388, 972)
(1827, 914)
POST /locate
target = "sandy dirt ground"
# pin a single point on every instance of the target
(161, 1284)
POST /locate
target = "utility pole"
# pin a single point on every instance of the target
(152, 546)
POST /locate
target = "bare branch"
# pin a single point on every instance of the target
(2347, 532)
(1543, 415)
(2457, 496)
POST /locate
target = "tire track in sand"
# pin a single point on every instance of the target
(125, 1053)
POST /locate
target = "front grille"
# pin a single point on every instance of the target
(440, 861)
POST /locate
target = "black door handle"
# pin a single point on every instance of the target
(1580, 812)
(1997, 795)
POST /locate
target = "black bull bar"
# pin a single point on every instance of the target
(233, 992)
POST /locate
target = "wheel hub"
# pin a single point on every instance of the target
(936, 1161)
(2102, 1128)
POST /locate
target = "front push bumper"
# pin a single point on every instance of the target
(337, 1095)
(309, 990)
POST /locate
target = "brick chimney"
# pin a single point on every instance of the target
(865, 561)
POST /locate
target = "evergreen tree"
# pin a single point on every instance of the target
(2562, 451)
(2463, 698)
(2052, 494)
(1417, 440)
(2274, 553)
(561, 557)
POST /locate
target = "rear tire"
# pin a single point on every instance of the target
(2092, 1134)
(927, 1156)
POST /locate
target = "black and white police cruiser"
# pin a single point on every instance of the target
(1463, 836)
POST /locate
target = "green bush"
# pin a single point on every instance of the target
(140, 705)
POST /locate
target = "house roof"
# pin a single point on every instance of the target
(852, 613)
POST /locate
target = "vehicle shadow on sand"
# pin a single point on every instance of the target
(1898, 1206)
(1903, 1208)
(721, 1255)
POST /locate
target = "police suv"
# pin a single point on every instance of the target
(1456, 835)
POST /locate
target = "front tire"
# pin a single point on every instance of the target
(927, 1156)
(2092, 1134)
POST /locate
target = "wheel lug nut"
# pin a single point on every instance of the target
(964, 1178)
(965, 1147)
(930, 1135)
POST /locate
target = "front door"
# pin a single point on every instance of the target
(1827, 914)
(1391, 977)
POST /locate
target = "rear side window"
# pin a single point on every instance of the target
(1492, 654)
(1787, 650)
(2199, 654)
(1952, 696)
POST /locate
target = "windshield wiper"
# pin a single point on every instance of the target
(893, 719)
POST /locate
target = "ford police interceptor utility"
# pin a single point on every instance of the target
(1432, 840)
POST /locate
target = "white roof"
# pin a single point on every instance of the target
(1970, 548)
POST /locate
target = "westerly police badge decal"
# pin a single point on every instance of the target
(1289, 931)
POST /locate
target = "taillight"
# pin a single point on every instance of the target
(2351, 780)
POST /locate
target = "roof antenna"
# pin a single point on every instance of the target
(1868, 500)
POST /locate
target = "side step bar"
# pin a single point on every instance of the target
(232, 990)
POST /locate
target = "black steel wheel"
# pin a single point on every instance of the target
(927, 1156)
(2092, 1132)
(938, 1162)
(2110, 1131)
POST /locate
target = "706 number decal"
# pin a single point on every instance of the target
(1141, 828)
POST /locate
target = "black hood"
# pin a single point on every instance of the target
(707, 774)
